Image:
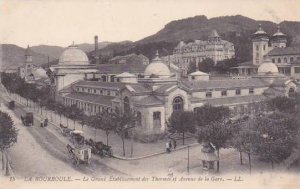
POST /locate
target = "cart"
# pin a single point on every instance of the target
(99, 148)
(79, 154)
(27, 119)
(77, 137)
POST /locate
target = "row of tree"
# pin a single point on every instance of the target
(208, 66)
(271, 135)
(114, 121)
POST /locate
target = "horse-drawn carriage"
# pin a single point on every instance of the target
(79, 154)
(27, 120)
(99, 148)
(65, 130)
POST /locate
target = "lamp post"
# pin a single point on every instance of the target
(268, 139)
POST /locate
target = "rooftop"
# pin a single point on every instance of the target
(284, 51)
(231, 100)
(91, 98)
(224, 84)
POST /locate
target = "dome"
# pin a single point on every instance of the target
(260, 31)
(157, 68)
(39, 73)
(267, 68)
(279, 33)
(73, 56)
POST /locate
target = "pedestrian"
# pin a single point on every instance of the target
(170, 144)
(168, 147)
(41, 121)
(174, 143)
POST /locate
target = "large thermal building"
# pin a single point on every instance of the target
(154, 92)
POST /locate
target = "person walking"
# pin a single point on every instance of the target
(168, 147)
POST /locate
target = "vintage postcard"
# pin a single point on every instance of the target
(150, 94)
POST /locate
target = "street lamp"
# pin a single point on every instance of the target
(268, 139)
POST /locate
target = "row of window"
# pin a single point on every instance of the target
(88, 107)
(97, 91)
(285, 59)
(224, 92)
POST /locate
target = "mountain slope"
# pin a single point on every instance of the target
(199, 27)
(13, 56)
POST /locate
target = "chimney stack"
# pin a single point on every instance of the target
(96, 50)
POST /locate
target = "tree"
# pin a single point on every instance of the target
(182, 122)
(74, 113)
(224, 66)
(244, 140)
(277, 136)
(216, 133)
(123, 123)
(206, 114)
(107, 123)
(192, 67)
(8, 134)
(282, 104)
(207, 65)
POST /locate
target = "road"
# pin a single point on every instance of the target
(41, 151)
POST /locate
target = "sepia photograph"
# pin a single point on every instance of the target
(150, 94)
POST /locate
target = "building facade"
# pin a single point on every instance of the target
(214, 48)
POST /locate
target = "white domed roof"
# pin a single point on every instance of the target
(39, 73)
(157, 68)
(73, 56)
(267, 68)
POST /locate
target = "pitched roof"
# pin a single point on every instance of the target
(91, 98)
(166, 88)
(149, 100)
(97, 84)
(231, 100)
(284, 51)
(224, 84)
(198, 73)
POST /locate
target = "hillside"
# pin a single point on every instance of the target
(55, 51)
(237, 29)
(14, 56)
(199, 27)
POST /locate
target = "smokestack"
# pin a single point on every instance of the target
(96, 51)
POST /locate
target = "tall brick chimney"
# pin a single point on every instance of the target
(96, 51)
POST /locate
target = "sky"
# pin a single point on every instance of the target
(60, 22)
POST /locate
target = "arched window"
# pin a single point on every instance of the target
(177, 104)
(279, 60)
(126, 104)
(285, 60)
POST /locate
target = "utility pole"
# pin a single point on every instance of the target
(188, 160)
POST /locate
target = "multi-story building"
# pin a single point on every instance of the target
(214, 48)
